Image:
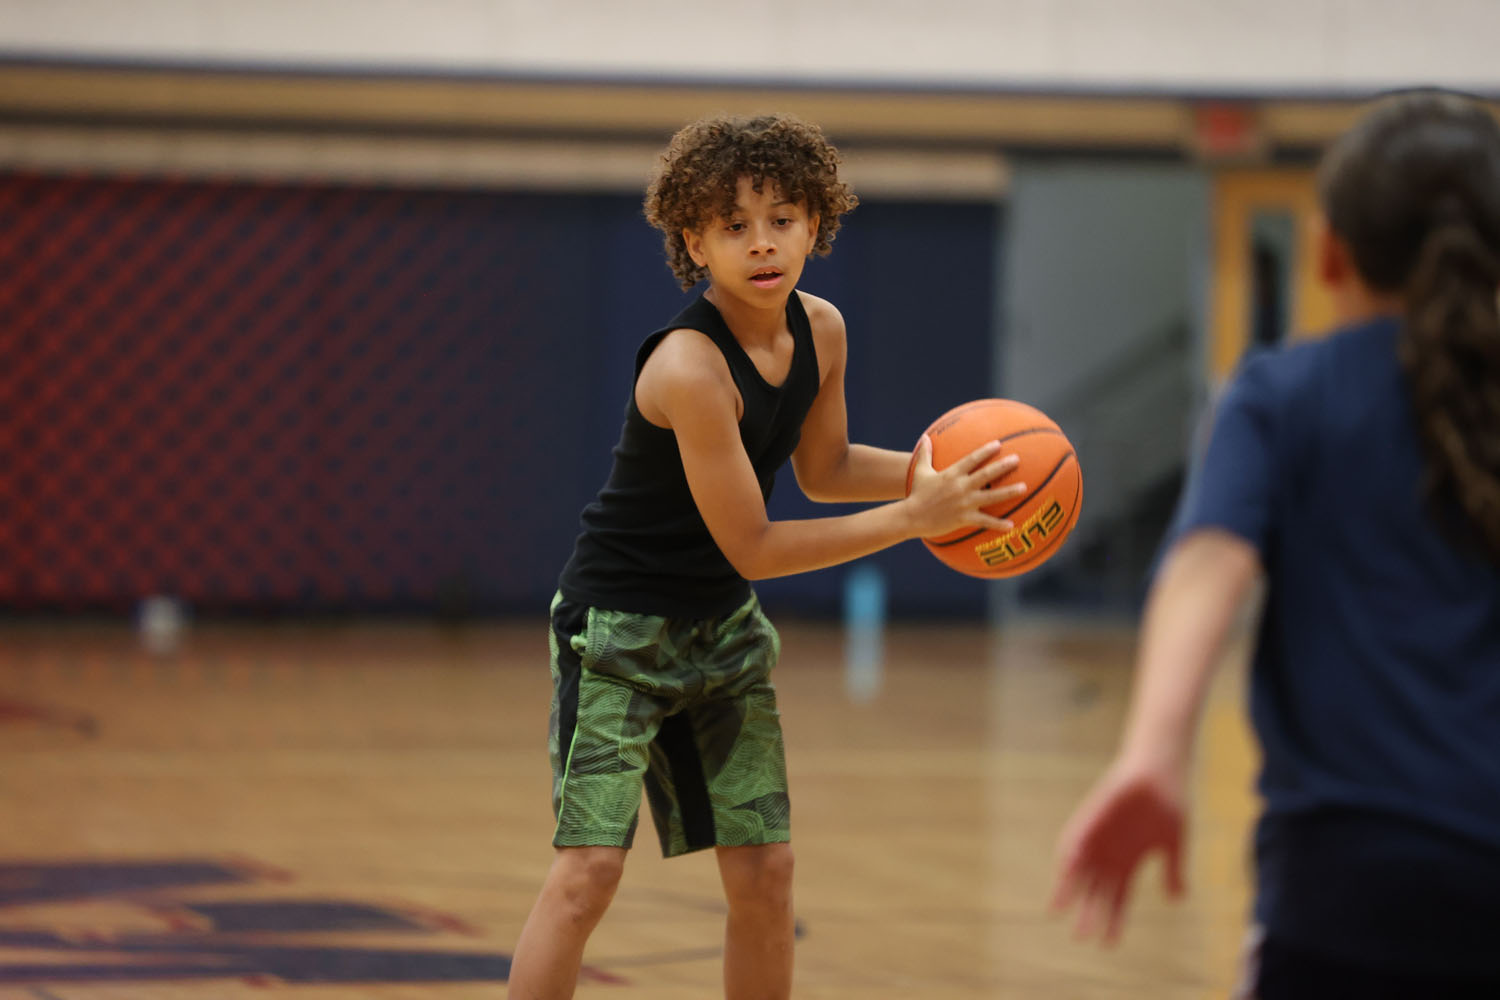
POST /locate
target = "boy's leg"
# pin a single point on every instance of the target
(601, 727)
(719, 777)
(577, 891)
(758, 939)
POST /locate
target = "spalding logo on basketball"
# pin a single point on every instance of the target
(1049, 468)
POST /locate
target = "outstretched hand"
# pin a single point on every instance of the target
(1133, 811)
(946, 500)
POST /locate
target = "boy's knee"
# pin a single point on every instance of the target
(587, 878)
(759, 876)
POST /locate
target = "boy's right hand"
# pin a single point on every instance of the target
(943, 501)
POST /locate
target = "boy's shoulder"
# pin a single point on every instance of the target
(823, 316)
(817, 305)
(687, 352)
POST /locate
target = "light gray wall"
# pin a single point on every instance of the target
(1101, 261)
(1250, 45)
(1098, 254)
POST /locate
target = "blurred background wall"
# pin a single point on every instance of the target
(1257, 45)
(330, 307)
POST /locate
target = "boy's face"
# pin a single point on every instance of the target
(757, 252)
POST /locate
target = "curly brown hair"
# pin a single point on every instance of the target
(696, 179)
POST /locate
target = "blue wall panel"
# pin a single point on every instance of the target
(282, 397)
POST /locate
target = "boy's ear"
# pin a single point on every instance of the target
(812, 226)
(693, 240)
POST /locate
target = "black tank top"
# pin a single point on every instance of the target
(644, 547)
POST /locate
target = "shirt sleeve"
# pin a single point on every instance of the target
(1233, 486)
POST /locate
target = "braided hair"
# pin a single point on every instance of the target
(1413, 190)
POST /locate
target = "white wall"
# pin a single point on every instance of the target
(1238, 45)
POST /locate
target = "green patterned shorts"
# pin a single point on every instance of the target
(684, 708)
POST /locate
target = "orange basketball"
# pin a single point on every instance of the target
(1049, 468)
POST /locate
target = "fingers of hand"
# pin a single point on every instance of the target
(1091, 912)
(1071, 876)
(976, 458)
(1064, 892)
(1007, 492)
(1116, 910)
(1101, 912)
(924, 452)
(992, 522)
(987, 478)
(1001, 466)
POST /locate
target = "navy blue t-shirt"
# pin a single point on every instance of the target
(1375, 687)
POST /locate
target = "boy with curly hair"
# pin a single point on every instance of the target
(661, 656)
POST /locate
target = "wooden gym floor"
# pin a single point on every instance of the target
(362, 810)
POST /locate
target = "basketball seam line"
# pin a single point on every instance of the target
(1056, 537)
(1029, 430)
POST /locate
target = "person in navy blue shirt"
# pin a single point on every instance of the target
(1359, 477)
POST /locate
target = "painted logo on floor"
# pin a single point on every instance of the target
(191, 938)
(142, 921)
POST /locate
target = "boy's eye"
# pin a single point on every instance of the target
(735, 227)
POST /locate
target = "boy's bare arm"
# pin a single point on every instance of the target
(830, 469)
(685, 385)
